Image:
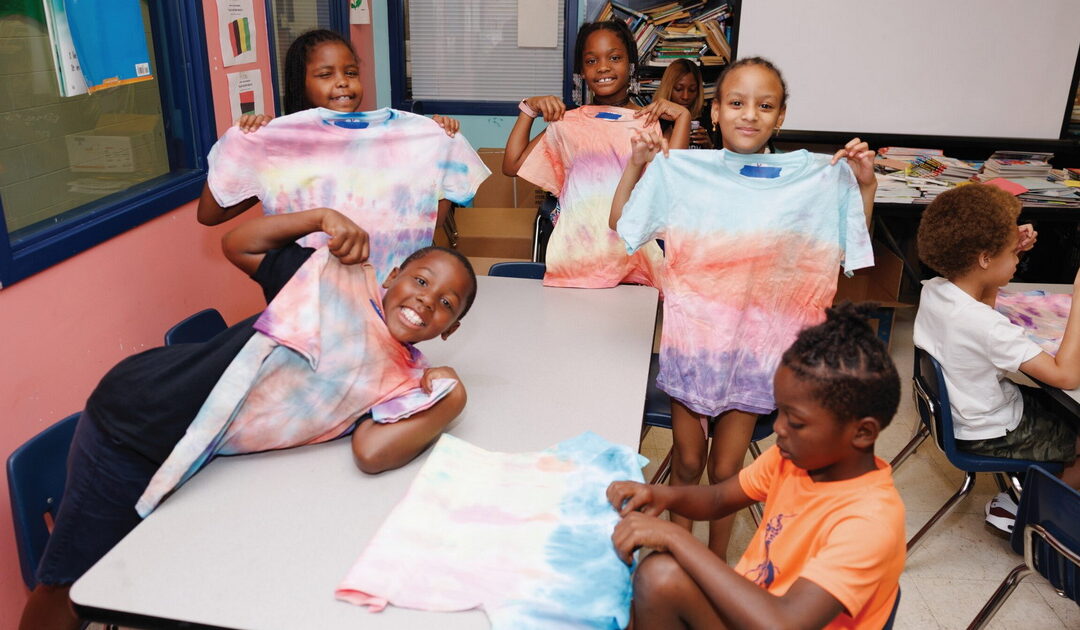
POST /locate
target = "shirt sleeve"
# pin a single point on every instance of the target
(234, 166)
(757, 478)
(645, 214)
(462, 171)
(278, 266)
(544, 166)
(854, 237)
(1008, 345)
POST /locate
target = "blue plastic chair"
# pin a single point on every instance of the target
(36, 473)
(515, 269)
(892, 616)
(197, 328)
(1047, 533)
(932, 401)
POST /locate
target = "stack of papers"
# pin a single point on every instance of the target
(1017, 164)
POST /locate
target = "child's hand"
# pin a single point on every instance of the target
(638, 530)
(550, 107)
(253, 122)
(629, 496)
(645, 144)
(348, 241)
(661, 108)
(431, 374)
(861, 160)
(450, 125)
(1027, 238)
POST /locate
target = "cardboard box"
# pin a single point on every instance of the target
(880, 284)
(121, 143)
(500, 191)
(504, 233)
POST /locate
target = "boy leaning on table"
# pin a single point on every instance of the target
(969, 235)
(331, 345)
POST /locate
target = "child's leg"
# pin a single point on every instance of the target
(689, 446)
(731, 438)
(1071, 473)
(49, 608)
(666, 597)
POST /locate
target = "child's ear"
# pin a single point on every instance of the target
(780, 120)
(390, 278)
(449, 331)
(984, 260)
(866, 433)
(714, 110)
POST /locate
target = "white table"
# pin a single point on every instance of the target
(1070, 398)
(261, 541)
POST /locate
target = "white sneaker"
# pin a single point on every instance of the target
(1001, 513)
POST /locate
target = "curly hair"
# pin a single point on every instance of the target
(296, 58)
(964, 222)
(615, 26)
(754, 61)
(849, 368)
(424, 251)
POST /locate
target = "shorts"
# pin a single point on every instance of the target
(1045, 433)
(104, 480)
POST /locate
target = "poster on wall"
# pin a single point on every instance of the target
(246, 93)
(110, 39)
(236, 24)
(359, 11)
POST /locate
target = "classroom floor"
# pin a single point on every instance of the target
(960, 562)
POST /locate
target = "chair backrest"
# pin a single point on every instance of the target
(1047, 530)
(36, 473)
(197, 328)
(514, 269)
(892, 616)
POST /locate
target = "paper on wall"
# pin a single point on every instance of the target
(236, 26)
(246, 93)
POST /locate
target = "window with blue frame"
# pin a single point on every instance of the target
(77, 170)
(462, 56)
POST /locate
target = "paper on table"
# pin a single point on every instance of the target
(1007, 185)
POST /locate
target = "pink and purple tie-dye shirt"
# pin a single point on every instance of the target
(1042, 315)
(320, 358)
(386, 170)
(581, 159)
(750, 261)
(524, 536)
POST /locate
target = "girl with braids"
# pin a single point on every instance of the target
(830, 548)
(580, 156)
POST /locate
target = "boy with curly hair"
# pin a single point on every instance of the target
(969, 235)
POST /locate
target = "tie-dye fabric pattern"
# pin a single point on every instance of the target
(386, 170)
(526, 537)
(1042, 315)
(580, 159)
(321, 357)
(750, 261)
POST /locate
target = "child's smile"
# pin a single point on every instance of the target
(333, 78)
(606, 67)
(425, 299)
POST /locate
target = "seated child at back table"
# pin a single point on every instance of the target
(271, 381)
(830, 547)
(969, 235)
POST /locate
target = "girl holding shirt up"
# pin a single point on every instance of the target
(581, 155)
(753, 243)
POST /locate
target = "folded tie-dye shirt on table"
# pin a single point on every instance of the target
(580, 159)
(386, 170)
(320, 358)
(1042, 315)
(752, 248)
(524, 536)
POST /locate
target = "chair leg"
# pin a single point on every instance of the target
(536, 237)
(1007, 586)
(917, 438)
(965, 489)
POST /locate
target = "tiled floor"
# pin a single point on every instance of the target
(960, 562)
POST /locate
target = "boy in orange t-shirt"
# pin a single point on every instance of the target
(830, 550)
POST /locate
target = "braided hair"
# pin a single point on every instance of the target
(849, 368)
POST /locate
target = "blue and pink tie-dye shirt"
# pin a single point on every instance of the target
(386, 170)
(752, 247)
(1042, 315)
(524, 536)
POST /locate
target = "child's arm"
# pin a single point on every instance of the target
(246, 246)
(1063, 369)
(700, 503)
(644, 146)
(663, 108)
(518, 145)
(378, 447)
(861, 160)
(210, 213)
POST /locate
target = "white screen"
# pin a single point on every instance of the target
(992, 68)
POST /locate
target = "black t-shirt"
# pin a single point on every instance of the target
(147, 401)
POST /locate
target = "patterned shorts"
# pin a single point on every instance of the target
(1046, 433)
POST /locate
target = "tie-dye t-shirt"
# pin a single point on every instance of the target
(321, 357)
(526, 537)
(580, 159)
(750, 261)
(386, 170)
(1042, 315)
(846, 536)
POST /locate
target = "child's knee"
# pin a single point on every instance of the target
(721, 470)
(688, 465)
(660, 578)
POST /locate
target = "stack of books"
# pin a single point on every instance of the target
(687, 29)
(943, 168)
(1017, 164)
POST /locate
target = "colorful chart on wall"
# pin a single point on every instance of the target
(246, 93)
(236, 25)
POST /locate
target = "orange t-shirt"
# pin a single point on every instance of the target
(845, 536)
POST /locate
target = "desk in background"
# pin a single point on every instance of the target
(261, 541)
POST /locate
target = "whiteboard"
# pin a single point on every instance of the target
(989, 68)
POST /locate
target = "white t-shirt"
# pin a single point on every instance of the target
(977, 347)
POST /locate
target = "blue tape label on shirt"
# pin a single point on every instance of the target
(760, 170)
(351, 124)
(609, 115)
